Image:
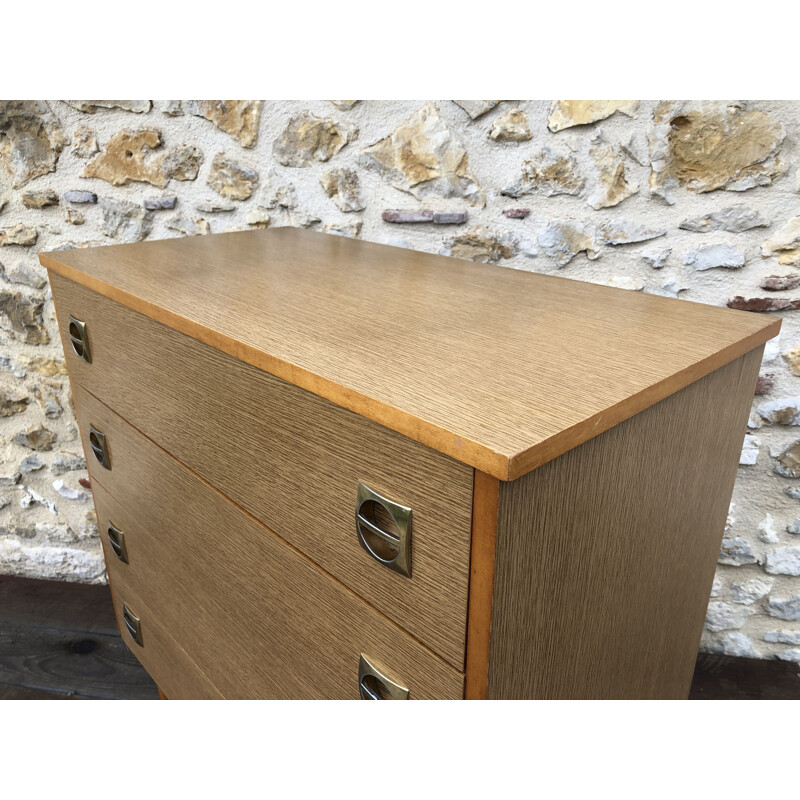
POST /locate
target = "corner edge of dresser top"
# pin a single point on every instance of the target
(504, 463)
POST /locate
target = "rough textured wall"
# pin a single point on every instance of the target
(692, 200)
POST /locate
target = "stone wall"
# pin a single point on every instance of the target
(692, 200)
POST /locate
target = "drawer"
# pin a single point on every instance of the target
(291, 459)
(259, 618)
(177, 676)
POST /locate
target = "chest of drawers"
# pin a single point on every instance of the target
(325, 468)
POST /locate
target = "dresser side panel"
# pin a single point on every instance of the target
(606, 555)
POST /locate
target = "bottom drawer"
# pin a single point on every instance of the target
(166, 662)
(257, 617)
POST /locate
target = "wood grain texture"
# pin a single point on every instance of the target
(13, 692)
(258, 618)
(481, 583)
(501, 369)
(288, 457)
(84, 664)
(162, 657)
(60, 640)
(605, 556)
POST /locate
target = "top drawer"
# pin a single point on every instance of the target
(290, 458)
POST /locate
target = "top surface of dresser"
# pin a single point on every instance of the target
(498, 368)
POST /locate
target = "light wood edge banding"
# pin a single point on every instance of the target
(485, 496)
(505, 467)
(527, 460)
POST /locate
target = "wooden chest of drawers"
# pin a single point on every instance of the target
(329, 469)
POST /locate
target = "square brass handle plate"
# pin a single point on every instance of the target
(384, 529)
(116, 538)
(373, 684)
(97, 441)
(132, 624)
(79, 338)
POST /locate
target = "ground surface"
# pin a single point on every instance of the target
(59, 641)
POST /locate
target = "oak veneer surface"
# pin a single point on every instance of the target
(499, 368)
(605, 556)
(163, 658)
(257, 617)
(288, 457)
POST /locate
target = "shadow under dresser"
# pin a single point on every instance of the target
(325, 468)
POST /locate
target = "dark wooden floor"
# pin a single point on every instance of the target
(728, 678)
(59, 641)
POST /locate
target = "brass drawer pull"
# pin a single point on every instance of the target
(97, 441)
(133, 624)
(80, 339)
(374, 685)
(116, 538)
(384, 529)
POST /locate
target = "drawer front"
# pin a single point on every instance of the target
(288, 457)
(177, 676)
(259, 618)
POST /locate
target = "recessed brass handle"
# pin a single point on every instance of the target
(116, 538)
(80, 339)
(132, 624)
(375, 685)
(97, 441)
(384, 529)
